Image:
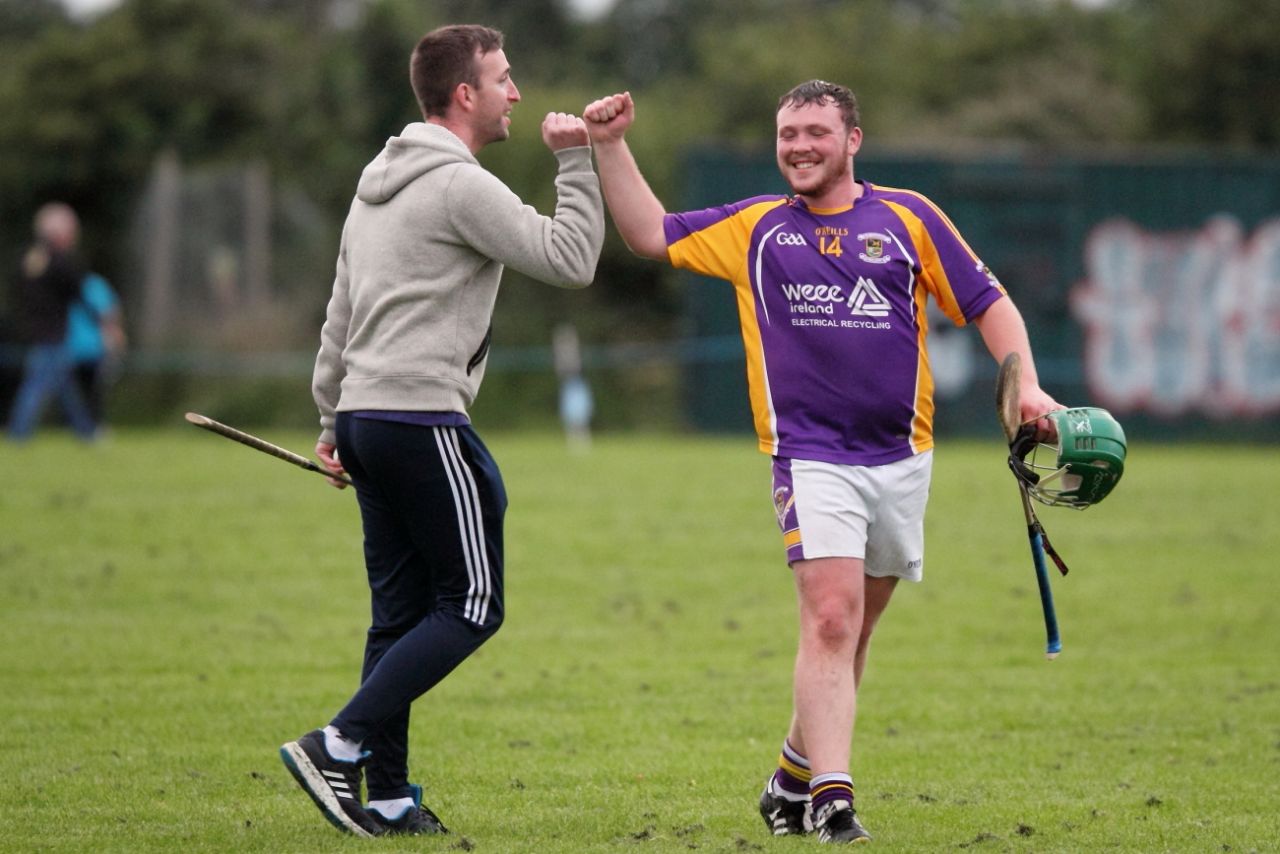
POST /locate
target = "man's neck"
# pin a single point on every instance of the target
(843, 195)
(458, 129)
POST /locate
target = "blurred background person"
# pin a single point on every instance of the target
(96, 342)
(49, 279)
(576, 403)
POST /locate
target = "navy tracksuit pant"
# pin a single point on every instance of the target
(431, 503)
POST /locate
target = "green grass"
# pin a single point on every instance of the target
(175, 606)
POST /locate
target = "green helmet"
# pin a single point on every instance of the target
(1086, 463)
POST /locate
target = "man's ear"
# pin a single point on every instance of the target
(464, 97)
(855, 141)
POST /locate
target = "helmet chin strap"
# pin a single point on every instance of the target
(1022, 444)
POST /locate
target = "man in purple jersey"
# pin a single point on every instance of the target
(831, 286)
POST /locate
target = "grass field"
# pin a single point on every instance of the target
(175, 606)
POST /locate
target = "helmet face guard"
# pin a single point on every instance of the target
(1082, 468)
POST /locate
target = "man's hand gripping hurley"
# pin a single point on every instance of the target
(1022, 439)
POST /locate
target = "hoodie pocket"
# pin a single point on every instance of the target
(478, 356)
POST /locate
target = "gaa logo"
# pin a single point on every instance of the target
(787, 238)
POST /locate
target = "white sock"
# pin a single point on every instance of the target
(392, 809)
(339, 746)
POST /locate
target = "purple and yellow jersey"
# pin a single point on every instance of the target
(832, 307)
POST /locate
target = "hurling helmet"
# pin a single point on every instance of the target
(1082, 468)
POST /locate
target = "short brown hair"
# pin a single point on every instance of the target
(444, 58)
(819, 92)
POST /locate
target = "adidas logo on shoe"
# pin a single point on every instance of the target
(333, 785)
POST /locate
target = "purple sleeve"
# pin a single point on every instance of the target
(963, 286)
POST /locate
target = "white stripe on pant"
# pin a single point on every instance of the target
(466, 500)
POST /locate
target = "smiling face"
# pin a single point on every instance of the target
(815, 153)
(493, 96)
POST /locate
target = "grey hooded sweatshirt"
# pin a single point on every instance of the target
(423, 249)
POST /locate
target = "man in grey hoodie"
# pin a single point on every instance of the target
(402, 355)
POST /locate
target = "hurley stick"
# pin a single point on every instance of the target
(262, 445)
(1010, 416)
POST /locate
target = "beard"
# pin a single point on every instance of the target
(826, 178)
(499, 132)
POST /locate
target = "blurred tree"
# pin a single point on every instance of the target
(744, 68)
(1210, 71)
(22, 19)
(925, 72)
(85, 111)
(539, 35)
(1047, 73)
(381, 45)
(314, 87)
(313, 15)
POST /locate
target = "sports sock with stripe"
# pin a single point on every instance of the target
(791, 780)
(826, 788)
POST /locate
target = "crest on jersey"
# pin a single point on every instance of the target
(873, 248)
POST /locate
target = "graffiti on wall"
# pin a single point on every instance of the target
(1182, 322)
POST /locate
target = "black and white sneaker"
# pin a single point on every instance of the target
(416, 820)
(332, 783)
(785, 817)
(837, 822)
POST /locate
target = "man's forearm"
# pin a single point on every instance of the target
(1004, 332)
(636, 211)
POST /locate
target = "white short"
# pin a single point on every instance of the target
(871, 512)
